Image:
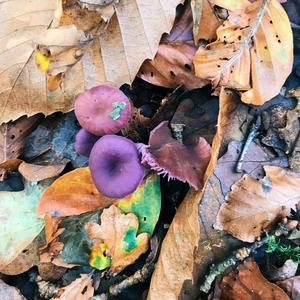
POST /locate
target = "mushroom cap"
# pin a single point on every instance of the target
(168, 156)
(103, 110)
(115, 166)
(84, 142)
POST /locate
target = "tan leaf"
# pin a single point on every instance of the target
(40, 172)
(79, 289)
(248, 283)
(254, 50)
(118, 232)
(176, 264)
(253, 206)
(72, 194)
(8, 292)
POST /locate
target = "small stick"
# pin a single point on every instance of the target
(251, 136)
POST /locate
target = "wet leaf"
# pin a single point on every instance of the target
(248, 282)
(119, 232)
(8, 292)
(145, 203)
(256, 53)
(19, 224)
(73, 193)
(253, 206)
(79, 289)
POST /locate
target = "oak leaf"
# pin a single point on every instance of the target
(254, 50)
(248, 283)
(118, 232)
(73, 193)
(253, 206)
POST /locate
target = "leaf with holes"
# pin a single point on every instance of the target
(145, 203)
(119, 233)
(253, 52)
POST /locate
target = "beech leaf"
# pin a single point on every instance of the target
(253, 206)
(19, 224)
(73, 193)
(254, 50)
(119, 233)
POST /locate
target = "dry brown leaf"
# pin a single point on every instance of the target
(205, 22)
(253, 206)
(8, 292)
(174, 272)
(254, 50)
(248, 283)
(118, 231)
(79, 289)
(72, 194)
(40, 172)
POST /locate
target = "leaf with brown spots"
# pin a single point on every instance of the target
(254, 50)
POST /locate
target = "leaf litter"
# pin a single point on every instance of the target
(97, 246)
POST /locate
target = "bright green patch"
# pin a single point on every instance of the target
(98, 258)
(145, 203)
(129, 242)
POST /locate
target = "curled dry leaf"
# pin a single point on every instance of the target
(8, 292)
(79, 289)
(33, 172)
(118, 232)
(248, 283)
(254, 50)
(253, 206)
(73, 193)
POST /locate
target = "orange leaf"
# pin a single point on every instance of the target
(253, 52)
(72, 194)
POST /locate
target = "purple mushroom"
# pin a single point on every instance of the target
(103, 110)
(115, 166)
(170, 157)
(84, 142)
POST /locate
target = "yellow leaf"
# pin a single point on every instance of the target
(42, 62)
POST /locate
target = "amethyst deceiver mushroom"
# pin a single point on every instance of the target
(84, 142)
(170, 157)
(103, 110)
(115, 166)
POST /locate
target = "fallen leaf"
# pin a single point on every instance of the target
(205, 21)
(98, 257)
(174, 274)
(22, 89)
(256, 53)
(145, 203)
(79, 289)
(36, 173)
(50, 272)
(118, 232)
(291, 286)
(233, 5)
(248, 283)
(19, 224)
(73, 193)
(253, 206)
(8, 292)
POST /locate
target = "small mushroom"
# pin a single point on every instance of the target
(115, 166)
(103, 110)
(84, 142)
(171, 157)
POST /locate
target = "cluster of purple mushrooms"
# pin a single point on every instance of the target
(117, 164)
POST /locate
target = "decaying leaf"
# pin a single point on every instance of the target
(118, 232)
(291, 286)
(248, 283)
(8, 292)
(33, 172)
(19, 224)
(254, 50)
(253, 206)
(205, 22)
(79, 289)
(145, 203)
(73, 193)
